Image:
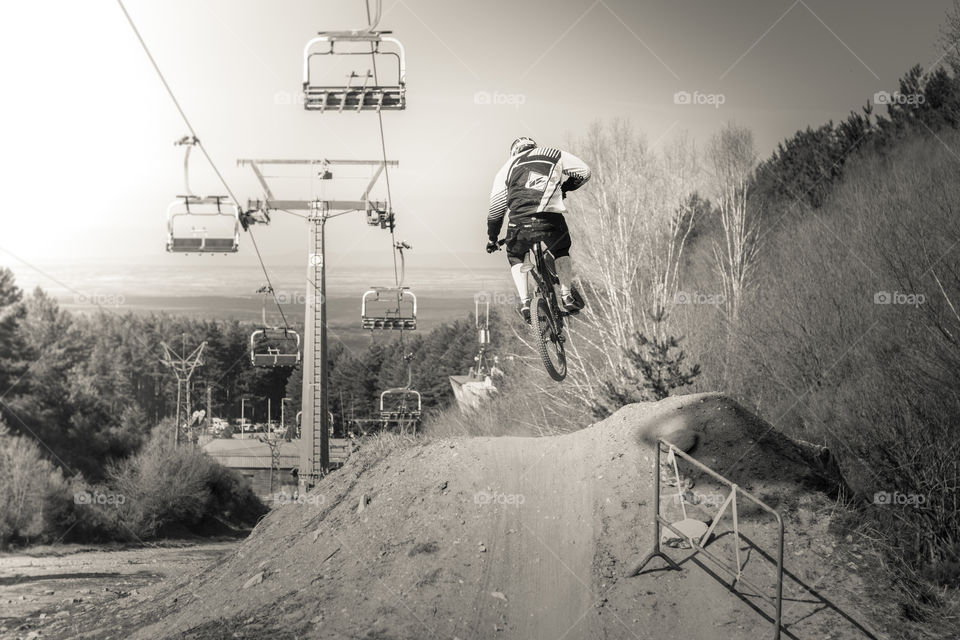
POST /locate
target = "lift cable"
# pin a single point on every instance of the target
(383, 149)
(383, 144)
(193, 133)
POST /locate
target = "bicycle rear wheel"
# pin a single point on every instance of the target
(549, 343)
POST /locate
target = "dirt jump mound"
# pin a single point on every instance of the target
(517, 538)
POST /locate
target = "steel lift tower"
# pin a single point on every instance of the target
(315, 437)
(183, 367)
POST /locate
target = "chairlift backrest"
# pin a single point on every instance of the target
(389, 308)
(362, 91)
(402, 397)
(203, 225)
(277, 347)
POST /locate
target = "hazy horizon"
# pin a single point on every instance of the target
(93, 177)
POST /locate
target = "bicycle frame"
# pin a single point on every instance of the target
(541, 264)
(544, 274)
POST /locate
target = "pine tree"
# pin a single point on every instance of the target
(656, 366)
(12, 311)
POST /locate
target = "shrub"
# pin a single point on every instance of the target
(168, 489)
(28, 484)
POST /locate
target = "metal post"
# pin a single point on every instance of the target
(189, 413)
(314, 440)
(324, 433)
(269, 416)
(657, 551)
(209, 408)
(176, 426)
(779, 603)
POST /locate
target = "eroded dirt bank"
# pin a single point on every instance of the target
(518, 538)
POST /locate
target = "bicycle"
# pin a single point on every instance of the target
(546, 314)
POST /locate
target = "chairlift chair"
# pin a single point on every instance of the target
(380, 215)
(202, 225)
(277, 347)
(362, 92)
(389, 308)
(400, 411)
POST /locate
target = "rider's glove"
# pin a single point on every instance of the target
(492, 246)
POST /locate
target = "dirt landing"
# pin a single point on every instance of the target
(518, 538)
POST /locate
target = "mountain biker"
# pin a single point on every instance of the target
(532, 186)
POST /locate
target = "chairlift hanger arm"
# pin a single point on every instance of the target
(263, 182)
(309, 205)
(370, 163)
(373, 37)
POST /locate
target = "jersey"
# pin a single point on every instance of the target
(532, 183)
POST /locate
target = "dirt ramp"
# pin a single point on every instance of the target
(732, 440)
(472, 539)
(478, 538)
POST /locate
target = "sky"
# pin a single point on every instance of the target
(90, 166)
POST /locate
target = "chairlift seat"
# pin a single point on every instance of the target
(202, 225)
(361, 92)
(276, 347)
(405, 395)
(389, 308)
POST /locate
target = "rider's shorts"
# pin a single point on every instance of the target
(549, 228)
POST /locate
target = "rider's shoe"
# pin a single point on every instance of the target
(571, 300)
(523, 308)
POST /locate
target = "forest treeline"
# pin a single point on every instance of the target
(87, 406)
(91, 387)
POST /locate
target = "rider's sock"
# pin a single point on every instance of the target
(564, 271)
(520, 279)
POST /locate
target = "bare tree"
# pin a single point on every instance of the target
(950, 38)
(731, 157)
(629, 228)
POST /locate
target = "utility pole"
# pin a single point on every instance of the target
(283, 419)
(183, 367)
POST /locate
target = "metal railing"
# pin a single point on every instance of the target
(699, 544)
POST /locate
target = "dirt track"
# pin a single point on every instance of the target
(42, 589)
(513, 538)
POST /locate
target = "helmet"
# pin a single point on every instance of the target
(521, 144)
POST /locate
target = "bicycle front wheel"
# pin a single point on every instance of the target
(549, 343)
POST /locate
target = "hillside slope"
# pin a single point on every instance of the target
(517, 538)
